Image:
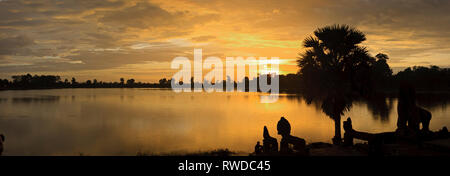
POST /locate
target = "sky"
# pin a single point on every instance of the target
(110, 39)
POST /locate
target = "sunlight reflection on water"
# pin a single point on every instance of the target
(155, 121)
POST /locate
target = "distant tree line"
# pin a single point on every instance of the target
(51, 81)
(430, 78)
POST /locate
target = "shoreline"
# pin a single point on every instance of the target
(388, 93)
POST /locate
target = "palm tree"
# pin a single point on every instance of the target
(333, 68)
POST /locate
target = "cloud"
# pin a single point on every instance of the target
(98, 35)
(203, 38)
(141, 15)
(147, 15)
(15, 45)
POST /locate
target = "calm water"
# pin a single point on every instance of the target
(153, 121)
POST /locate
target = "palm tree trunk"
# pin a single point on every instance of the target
(337, 130)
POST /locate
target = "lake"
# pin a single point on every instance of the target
(158, 121)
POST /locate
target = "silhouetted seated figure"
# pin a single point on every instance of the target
(270, 144)
(443, 133)
(2, 139)
(258, 148)
(298, 144)
(409, 114)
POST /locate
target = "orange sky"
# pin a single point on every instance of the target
(107, 40)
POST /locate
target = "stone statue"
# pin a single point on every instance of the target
(284, 129)
(409, 114)
(270, 144)
(2, 140)
(258, 148)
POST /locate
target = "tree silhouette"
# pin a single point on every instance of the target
(74, 81)
(122, 82)
(430, 78)
(381, 72)
(333, 68)
(130, 82)
(53, 81)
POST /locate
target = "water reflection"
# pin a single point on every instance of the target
(433, 101)
(127, 121)
(380, 107)
(36, 99)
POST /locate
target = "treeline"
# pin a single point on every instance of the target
(288, 83)
(430, 78)
(51, 81)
